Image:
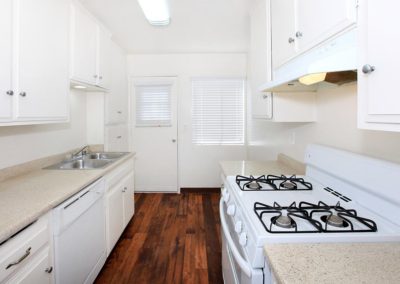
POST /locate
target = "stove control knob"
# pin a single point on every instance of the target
(238, 226)
(226, 196)
(231, 210)
(243, 239)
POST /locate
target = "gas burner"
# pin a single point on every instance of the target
(288, 185)
(311, 218)
(253, 185)
(283, 222)
(335, 221)
(272, 183)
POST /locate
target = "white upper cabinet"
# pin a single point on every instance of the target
(90, 49)
(84, 45)
(117, 98)
(42, 52)
(299, 25)
(103, 58)
(379, 101)
(283, 20)
(34, 56)
(6, 91)
(319, 20)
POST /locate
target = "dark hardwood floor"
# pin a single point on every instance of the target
(173, 238)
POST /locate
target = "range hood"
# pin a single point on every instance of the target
(334, 62)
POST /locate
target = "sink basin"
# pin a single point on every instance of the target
(89, 161)
(80, 164)
(105, 155)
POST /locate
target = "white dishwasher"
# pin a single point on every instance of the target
(80, 236)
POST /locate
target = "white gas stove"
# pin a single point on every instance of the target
(344, 197)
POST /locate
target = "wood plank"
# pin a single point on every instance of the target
(173, 238)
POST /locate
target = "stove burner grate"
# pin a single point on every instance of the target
(335, 219)
(272, 183)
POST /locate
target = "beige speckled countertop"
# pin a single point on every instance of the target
(25, 198)
(283, 165)
(335, 263)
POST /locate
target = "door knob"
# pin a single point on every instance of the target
(367, 69)
(22, 94)
(173, 140)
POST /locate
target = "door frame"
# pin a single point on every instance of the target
(175, 78)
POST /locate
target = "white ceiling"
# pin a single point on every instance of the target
(196, 26)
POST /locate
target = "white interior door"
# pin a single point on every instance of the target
(155, 141)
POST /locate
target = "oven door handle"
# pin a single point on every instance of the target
(244, 265)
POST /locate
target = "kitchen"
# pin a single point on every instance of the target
(229, 141)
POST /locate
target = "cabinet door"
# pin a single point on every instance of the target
(318, 20)
(115, 216)
(379, 101)
(84, 47)
(38, 270)
(5, 60)
(117, 98)
(129, 204)
(42, 52)
(103, 58)
(117, 138)
(283, 31)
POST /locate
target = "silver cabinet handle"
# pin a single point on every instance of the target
(119, 137)
(120, 112)
(265, 97)
(291, 40)
(49, 269)
(368, 69)
(22, 94)
(173, 140)
(95, 76)
(101, 77)
(299, 34)
(10, 92)
(125, 189)
(26, 254)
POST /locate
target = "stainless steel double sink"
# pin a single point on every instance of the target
(89, 161)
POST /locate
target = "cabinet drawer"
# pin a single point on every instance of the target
(118, 174)
(19, 249)
(37, 271)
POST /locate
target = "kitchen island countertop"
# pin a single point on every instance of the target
(335, 263)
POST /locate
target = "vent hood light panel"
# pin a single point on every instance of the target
(156, 11)
(332, 58)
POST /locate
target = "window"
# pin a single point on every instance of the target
(153, 105)
(218, 111)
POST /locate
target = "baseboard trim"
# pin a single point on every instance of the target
(200, 190)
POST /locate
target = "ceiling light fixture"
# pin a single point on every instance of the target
(156, 11)
(79, 87)
(312, 78)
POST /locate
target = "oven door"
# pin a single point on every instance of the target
(235, 267)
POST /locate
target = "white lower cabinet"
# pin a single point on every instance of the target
(119, 202)
(26, 257)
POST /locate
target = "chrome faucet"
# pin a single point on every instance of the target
(81, 152)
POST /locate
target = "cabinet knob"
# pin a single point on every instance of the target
(125, 189)
(173, 140)
(49, 269)
(119, 137)
(265, 97)
(10, 92)
(368, 69)
(101, 77)
(291, 40)
(95, 76)
(120, 112)
(299, 34)
(22, 94)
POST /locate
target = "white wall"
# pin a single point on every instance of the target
(336, 126)
(21, 144)
(198, 165)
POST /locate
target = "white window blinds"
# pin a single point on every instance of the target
(153, 105)
(218, 111)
